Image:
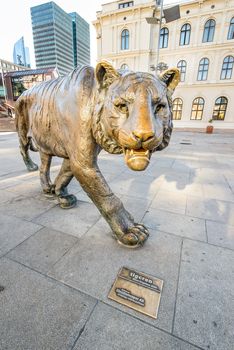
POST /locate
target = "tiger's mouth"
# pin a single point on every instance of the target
(137, 159)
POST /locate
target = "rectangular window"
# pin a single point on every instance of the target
(231, 30)
(125, 4)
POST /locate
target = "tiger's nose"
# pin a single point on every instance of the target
(143, 135)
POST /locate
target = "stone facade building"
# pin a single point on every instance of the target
(200, 44)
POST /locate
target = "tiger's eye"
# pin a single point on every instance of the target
(122, 107)
(159, 106)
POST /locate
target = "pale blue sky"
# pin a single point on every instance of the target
(15, 22)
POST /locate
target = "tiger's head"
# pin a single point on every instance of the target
(133, 112)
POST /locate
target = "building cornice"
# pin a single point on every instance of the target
(220, 83)
(201, 48)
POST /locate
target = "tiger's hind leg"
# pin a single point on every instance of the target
(66, 200)
(31, 166)
(46, 184)
(25, 141)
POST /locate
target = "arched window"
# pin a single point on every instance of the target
(164, 36)
(177, 108)
(203, 69)
(209, 29)
(185, 34)
(231, 30)
(220, 108)
(227, 67)
(197, 108)
(124, 66)
(182, 67)
(125, 40)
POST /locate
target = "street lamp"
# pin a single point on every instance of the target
(161, 66)
(171, 14)
(160, 26)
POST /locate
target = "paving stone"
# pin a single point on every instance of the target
(136, 206)
(220, 234)
(37, 313)
(83, 197)
(26, 208)
(154, 171)
(176, 224)
(9, 180)
(27, 189)
(6, 196)
(136, 188)
(194, 164)
(92, 266)
(230, 181)
(209, 176)
(75, 221)
(205, 302)
(30, 176)
(211, 209)
(214, 165)
(182, 185)
(218, 191)
(110, 329)
(117, 163)
(12, 159)
(176, 175)
(74, 186)
(13, 231)
(181, 166)
(139, 176)
(34, 176)
(171, 201)
(175, 185)
(42, 250)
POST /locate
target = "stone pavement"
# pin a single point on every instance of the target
(57, 266)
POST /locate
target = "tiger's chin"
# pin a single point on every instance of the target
(137, 159)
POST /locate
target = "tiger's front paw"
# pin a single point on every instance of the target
(135, 236)
(67, 201)
(49, 191)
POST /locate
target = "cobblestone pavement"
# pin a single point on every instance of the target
(57, 266)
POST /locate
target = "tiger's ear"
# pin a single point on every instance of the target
(171, 77)
(106, 74)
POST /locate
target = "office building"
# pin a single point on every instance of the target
(53, 36)
(21, 53)
(81, 40)
(27, 57)
(200, 44)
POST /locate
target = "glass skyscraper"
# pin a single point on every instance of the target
(21, 53)
(81, 40)
(53, 37)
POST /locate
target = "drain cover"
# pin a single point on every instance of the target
(185, 142)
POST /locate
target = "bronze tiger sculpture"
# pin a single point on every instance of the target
(75, 116)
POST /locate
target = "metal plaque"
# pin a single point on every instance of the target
(138, 291)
